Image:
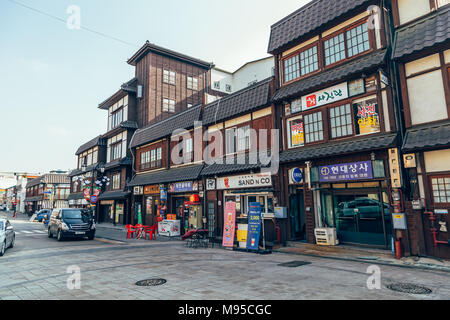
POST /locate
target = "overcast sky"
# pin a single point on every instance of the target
(52, 78)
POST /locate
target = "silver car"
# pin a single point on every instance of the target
(7, 236)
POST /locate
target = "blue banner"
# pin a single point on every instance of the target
(254, 226)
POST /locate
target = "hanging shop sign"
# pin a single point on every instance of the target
(254, 226)
(187, 186)
(87, 192)
(229, 224)
(323, 97)
(210, 184)
(297, 175)
(346, 172)
(246, 181)
(138, 191)
(163, 195)
(367, 118)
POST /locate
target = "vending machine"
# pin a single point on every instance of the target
(195, 216)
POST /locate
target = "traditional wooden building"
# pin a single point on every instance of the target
(91, 156)
(114, 201)
(49, 191)
(234, 170)
(338, 119)
(422, 54)
(157, 172)
(168, 81)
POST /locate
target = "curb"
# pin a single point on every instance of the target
(372, 262)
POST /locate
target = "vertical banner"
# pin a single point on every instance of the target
(254, 226)
(229, 224)
(87, 193)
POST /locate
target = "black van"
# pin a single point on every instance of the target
(74, 223)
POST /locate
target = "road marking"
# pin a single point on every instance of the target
(39, 231)
(26, 231)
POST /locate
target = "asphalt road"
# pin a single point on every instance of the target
(42, 268)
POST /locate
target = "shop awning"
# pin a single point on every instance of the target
(365, 144)
(34, 199)
(428, 137)
(172, 175)
(75, 196)
(433, 31)
(114, 195)
(353, 68)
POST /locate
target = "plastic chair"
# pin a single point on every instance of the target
(131, 231)
(151, 231)
(139, 230)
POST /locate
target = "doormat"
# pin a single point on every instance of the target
(294, 264)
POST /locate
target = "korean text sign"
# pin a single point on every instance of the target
(254, 225)
(346, 172)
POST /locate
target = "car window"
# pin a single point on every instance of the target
(1, 225)
(77, 214)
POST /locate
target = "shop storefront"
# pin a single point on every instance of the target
(186, 203)
(242, 190)
(353, 197)
(113, 208)
(152, 203)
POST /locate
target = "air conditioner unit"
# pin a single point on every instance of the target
(326, 236)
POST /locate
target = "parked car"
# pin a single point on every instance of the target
(40, 215)
(71, 223)
(7, 236)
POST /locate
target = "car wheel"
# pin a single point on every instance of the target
(91, 237)
(13, 241)
(3, 248)
(50, 234)
(59, 236)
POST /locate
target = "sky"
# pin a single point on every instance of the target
(52, 78)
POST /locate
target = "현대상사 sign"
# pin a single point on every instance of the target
(346, 172)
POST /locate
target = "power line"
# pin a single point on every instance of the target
(65, 21)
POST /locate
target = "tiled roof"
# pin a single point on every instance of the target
(183, 120)
(365, 144)
(307, 19)
(355, 67)
(431, 31)
(127, 161)
(251, 163)
(35, 182)
(88, 145)
(150, 47)
(129, 124)
(167, 176)
(430, 136)
(111, 195)
(251, 98)
(76, 172)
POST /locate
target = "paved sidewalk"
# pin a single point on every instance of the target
(350, 253)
